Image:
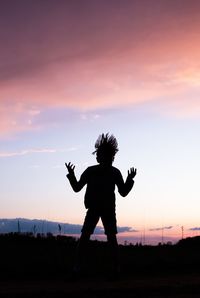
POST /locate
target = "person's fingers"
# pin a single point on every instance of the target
(132, 172)
(70, 166)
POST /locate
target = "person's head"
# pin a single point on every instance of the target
(106, 147)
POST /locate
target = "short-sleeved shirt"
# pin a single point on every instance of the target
(101, 182)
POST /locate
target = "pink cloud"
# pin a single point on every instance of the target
(97, 55)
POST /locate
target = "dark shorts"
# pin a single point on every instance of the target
(107, 216)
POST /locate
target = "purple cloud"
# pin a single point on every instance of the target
(195, 229)
(160, 229)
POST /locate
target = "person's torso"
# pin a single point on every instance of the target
(101, 183)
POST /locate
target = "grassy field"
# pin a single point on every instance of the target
(42, 267)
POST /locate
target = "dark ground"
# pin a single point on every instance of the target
(168, 286)
(41, 267)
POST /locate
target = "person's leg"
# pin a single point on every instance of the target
(81, 251)
(108, 218)
(91, 219)
(114, 250)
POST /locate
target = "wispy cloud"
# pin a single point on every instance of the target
(28, 151)
(35, 150)
(195, 229)
(126, 229)
(90, 116)
(58, 167)
(35, 166)
(68, 149)
(161, 229)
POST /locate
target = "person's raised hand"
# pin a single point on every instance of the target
(132, 172)
(70, 167)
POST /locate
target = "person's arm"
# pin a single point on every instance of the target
(125, 188)
(76, 185)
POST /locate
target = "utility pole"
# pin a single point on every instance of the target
(141, 238)
(144, 236)
(182, 232)
(162, 235)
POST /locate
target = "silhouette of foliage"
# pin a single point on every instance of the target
(40, 257)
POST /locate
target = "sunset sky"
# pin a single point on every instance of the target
(70, 70)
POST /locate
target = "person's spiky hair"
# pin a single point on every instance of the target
(106, 144)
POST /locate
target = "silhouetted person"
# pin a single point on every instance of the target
(100, 195)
